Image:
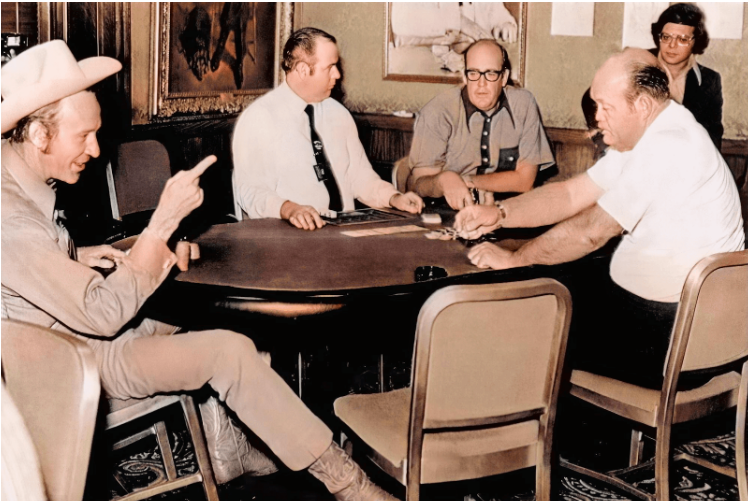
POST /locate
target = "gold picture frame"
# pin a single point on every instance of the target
(414, 61)
(216, 57)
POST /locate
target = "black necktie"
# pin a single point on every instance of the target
(485, 147)
(322, 166)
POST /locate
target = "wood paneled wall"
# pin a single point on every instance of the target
(385, 138)
(21, 17)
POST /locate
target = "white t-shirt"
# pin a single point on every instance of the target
(677, 201)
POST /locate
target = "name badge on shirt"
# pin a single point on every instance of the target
(320, 171)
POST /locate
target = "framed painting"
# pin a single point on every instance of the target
(425, 42)
(217, 57)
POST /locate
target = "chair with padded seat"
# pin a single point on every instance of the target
(710, 334)
(53, 380)
(485, 378)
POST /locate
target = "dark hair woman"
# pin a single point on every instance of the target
(680, 35)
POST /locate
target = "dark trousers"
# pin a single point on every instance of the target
(620, 335)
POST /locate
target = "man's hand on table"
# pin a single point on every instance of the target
(476, 220)
(407, 202)
(304, 217)
(488, 255)
(100, 256)
(455, 190)
(182, 194)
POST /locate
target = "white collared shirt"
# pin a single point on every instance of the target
(274, 159)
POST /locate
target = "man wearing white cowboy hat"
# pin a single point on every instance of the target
(52, 120)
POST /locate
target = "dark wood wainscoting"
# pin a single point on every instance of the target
(386, 139)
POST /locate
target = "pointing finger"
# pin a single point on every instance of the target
(201, 167)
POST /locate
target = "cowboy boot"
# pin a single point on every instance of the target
(345, 479)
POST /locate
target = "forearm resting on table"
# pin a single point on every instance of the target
(426, 181)
(520, 180)
(570, 240)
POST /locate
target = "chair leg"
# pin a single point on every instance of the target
(412, 493)
(162, 437)
(636, 449)
(543, 480)
(201, 449)
(662, 463)
(740, 436)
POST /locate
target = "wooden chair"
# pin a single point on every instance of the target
(136, 177)
(710, 332)
(53, 380)
(126, 411)
(486, 372)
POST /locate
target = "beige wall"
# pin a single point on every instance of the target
(559, 69)
(359, 28)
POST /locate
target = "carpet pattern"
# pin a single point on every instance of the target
(692, 483)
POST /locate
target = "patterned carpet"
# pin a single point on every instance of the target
(138, 468)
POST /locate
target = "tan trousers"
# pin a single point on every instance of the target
(150, 359)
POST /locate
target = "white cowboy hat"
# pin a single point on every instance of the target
(44, 74)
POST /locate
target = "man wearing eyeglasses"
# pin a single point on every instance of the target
(484, 137)
(680, 35)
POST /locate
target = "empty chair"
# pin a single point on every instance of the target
(136, 177)
(710, 334)
(485, 378)
(53, 380)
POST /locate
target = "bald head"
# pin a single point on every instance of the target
(630, 90)
(639, 72)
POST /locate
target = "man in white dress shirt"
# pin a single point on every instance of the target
(296, 150)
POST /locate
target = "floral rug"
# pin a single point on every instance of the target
(692, 483)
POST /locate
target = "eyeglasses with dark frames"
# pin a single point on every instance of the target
(489, 75)
(681, 40)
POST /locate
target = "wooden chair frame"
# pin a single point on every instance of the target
(666, 415)
(142, 408)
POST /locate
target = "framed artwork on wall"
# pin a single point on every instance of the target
(424, 42)
(217, 57)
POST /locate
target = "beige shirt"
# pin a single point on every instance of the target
(678, 85)
(448, 132)
(43, 285)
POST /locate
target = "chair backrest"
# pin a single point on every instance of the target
(400, 172)
(136, 176)
(712, 321)
(486, 354)
(52, 378)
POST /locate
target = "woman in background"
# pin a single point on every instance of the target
(680, 35)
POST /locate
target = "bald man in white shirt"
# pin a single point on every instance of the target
(662, 185)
